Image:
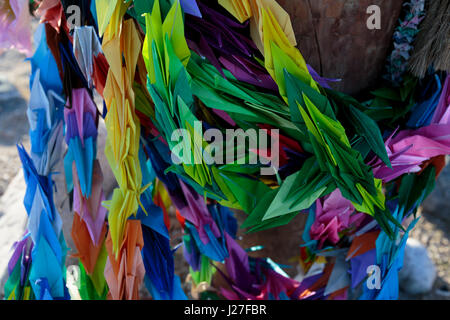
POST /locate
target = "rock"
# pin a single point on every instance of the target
(13, 218)
(7, 90)
(418, 273)
(437, 202)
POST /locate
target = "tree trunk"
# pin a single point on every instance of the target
(333, 37)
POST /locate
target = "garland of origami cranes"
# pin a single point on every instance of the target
(357, 169)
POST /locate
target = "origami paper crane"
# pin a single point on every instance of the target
(52, 12)
(422, 112)
(157, 254)
(121, 122)
(86, 47)
(125, 274)
(88, 252)
(409, 149)
(90, 209)
(44, 60)
(94, 286)
(254, 10)
(272, 32)
(242, 280)
(46, 127)
(333, 215)
(442, 113)
(339, 277)
(18, 285)
(15, 20)
(357, 169)
(45, 226)
(389, 257)
(207, 231)
(81, 138)
(221, 40)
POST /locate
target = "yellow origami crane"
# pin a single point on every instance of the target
(122, 46)
(271, 30)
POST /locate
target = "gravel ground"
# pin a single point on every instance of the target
(433, 230)
(14, 93)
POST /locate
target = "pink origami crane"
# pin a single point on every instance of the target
(15, 22)
(51, 12)
(410, 149)
(333, 214)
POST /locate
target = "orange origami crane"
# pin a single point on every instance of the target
(125, 274)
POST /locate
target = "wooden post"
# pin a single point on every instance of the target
(333, 37)
(281, 244)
